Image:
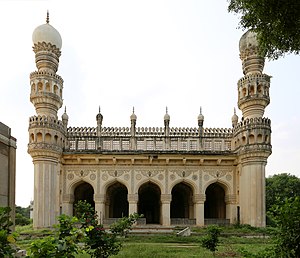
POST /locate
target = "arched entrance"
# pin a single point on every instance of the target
(215, 206)
(84, 191)
(117, 200)
(149, 203)
(182, 202)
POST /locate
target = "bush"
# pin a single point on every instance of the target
(6, 238)
(85, 229)
(211, 241)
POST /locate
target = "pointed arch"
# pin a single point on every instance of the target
(149, 202)
(84, 191)
(215, 206)
(182, 204)
(116, 197)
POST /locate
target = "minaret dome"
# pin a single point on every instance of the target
(48, 34)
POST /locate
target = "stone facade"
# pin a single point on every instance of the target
(8, 145)
(173, 176)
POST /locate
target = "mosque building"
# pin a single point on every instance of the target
(173, 176)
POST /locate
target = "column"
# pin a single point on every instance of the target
(132, 200)
(199, 200)
(67, 204)
(100, 206)
(165, 209)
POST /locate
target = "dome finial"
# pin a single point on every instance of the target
(47, 18)
(99, 109)
(65, 109)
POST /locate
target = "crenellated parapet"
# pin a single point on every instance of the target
(253, 94)
(148, 139)
(46, 132)
(251, 134)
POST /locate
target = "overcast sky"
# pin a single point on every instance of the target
(148, 54)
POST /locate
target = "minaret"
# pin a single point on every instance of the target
(133, 119)
(251, 139)
(200, 122)
(46, 132)
(234, 118)
(167, 130)
(99, 119)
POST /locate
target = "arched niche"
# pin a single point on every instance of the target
(84, 192)
(149, 202)
(215, 206)
(117, 200)
(182, 201)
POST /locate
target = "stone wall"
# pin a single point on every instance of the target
(7, 168)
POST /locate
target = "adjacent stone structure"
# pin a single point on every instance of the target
(191, 176)
(8, 145)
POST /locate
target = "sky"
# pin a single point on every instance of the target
(120, 54)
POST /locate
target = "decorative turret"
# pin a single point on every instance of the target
(65, 118)
(46, 85)
(133, 119)
(200, 122)
(200, 118)
(167, 123)
(253, 88)
(99, 119)
(234, 118)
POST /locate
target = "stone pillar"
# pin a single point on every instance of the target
(199, 200)
(252, 192)
(67, 204)
(46, 203)
(132, 200)
(100, 206)
(231, 211)
(165, 209)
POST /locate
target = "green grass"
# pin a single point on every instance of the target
(163, 246)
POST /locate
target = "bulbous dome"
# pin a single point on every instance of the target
(234, 118)
(48, 34)
(65, 116)
(249, 39)
(167, 116)
(200, 117)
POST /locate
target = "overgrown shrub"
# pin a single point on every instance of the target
(211, 240)
(85, 229)
(7, 239)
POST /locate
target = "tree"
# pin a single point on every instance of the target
(287, 218)
(277, 24)
(279, 187)
(7, 249)
(211, 241)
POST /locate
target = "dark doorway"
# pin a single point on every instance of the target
(82, 192)
(149, 203)
(117, 197)
(181, 201)
(215, 206)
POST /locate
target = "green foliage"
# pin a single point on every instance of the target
(64, 244)
(6, 238)
(279, 187)
(123, 225)
(21, 220)
(287, 218)
(84, 228)
(211, 241)
(23, 211)
(277, 24)
(86, 214)
(22, 216)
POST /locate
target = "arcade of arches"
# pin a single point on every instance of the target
(180, 204)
